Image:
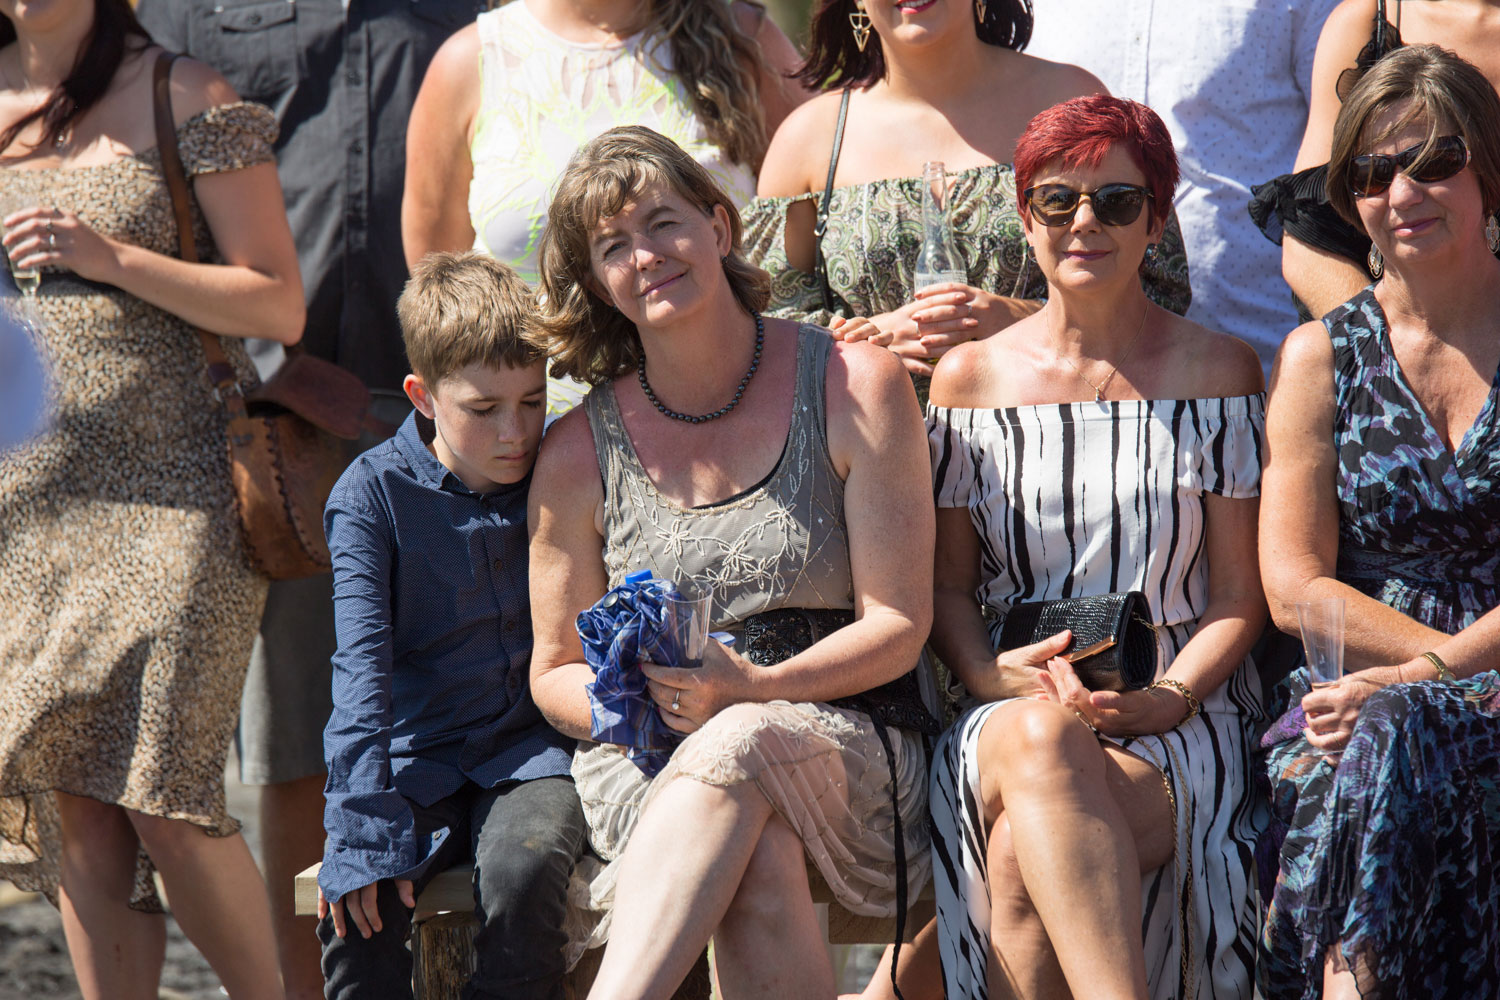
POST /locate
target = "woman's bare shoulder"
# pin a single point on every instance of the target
(1304, 362)
(454, 69)
(965, 377)
(797, 157)
(1210, 364)
(1052, 82)
(195, 86)
(567, 466)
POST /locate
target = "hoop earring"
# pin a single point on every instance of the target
(1492, 233)
(859, 22)
(982, 10)
(1375, 262)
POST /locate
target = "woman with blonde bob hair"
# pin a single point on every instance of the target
(783, 473)
(1382, 491)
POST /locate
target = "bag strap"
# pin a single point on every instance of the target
(220, 371)
(827, 201)
(1380, 26)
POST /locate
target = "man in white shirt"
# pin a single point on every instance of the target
(1231, 79)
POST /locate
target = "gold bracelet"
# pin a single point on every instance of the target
(1193, 704)
(1444, 674)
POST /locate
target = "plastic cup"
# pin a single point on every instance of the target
(1322, 626)
(686, 623)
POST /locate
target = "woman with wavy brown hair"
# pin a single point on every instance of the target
(508, 99)
(785, 474)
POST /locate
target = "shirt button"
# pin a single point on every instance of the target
(352, 76)
(499, 565)
(510, 626)
(254, 18)
(356, 147)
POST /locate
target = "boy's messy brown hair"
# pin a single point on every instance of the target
(459, 309)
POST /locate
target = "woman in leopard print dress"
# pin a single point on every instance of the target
(129, 603)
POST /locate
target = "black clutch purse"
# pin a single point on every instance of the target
(1114, 641)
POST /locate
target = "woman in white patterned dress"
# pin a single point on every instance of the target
(1097, 844)
(508, 99)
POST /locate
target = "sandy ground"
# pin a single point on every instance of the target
(34, 957)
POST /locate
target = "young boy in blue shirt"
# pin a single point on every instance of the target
(436, 753)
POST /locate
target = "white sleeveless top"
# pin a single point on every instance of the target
(541, 97)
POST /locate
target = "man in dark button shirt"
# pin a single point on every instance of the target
(341, 77)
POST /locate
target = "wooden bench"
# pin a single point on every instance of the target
(443, 931)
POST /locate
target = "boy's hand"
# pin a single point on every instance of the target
(363, 907)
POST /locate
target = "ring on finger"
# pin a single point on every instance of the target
(52, 241)
(677, 699)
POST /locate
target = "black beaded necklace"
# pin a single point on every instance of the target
(760, 341)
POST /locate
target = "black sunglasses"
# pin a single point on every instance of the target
(1371, 174)
(1114, 204)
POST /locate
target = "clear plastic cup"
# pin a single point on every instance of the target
(1322, 625)
(686, 621)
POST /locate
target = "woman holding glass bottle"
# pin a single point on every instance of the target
(1382, 489)
(923, 84)
(130, 603)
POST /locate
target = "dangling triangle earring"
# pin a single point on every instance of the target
(1492, 233)
(981, 9)
(1376, 262)
(859, 21)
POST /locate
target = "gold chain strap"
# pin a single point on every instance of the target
(1185, 874)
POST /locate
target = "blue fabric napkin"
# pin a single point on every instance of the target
(623, 628)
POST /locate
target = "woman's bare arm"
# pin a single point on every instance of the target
(255, 292)
(435, 202)
(566, 571)
(1299, 515)
(1323, 280)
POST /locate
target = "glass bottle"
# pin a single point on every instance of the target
(939, 259)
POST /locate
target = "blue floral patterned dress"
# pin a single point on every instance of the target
(1392, 852)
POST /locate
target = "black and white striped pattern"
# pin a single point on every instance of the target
(1092, 498)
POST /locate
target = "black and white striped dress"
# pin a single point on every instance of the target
(1087, 498)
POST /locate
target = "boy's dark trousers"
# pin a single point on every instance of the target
(525, 838)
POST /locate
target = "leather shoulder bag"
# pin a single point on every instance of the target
(290, 438)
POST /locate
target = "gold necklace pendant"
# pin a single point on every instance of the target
(1099, 387)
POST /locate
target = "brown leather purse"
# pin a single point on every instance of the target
(289, 438)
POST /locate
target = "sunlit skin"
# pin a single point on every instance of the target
(488, 421)
(658, 257)
(1086, 252)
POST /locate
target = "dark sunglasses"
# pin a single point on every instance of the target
(1114, 204)
(1371, 174)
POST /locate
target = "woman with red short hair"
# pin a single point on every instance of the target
(1096, 843)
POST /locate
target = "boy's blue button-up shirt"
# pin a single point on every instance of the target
(430, 681)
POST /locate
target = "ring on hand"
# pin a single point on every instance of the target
(677, 699)
(51, 241)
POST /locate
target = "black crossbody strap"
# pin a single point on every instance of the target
(823, 207)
